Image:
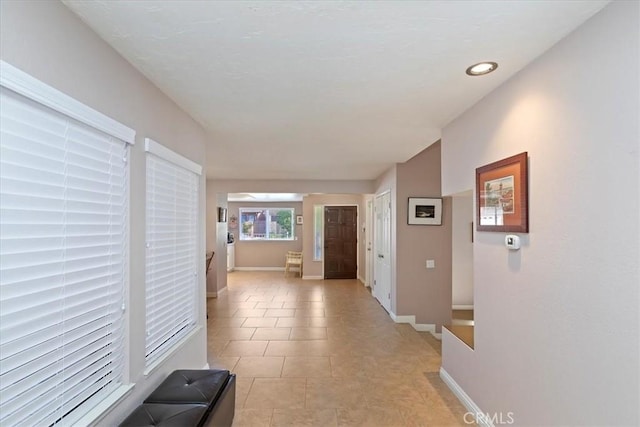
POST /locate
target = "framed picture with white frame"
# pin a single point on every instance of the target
(425, 211)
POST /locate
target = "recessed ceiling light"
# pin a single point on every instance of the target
(482, 68)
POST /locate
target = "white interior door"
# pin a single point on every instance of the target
(382, 250)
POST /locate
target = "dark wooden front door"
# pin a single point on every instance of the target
(340, 242)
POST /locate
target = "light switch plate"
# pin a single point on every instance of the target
(512, 242)
(431, 263)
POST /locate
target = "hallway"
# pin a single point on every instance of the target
(324, 353)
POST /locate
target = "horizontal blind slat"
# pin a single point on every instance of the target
(63, 243)
(85, 345)
(171, 254)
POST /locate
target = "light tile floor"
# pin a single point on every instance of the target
(324, 353)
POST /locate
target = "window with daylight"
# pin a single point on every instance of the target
(63, 253)
(318, 218)
(266, 223)
(172, 249)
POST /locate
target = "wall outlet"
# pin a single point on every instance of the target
(431, 263)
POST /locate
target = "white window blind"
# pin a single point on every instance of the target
(63, 258)
(172, 249)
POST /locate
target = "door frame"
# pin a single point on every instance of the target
(376, 289)
(368, 242)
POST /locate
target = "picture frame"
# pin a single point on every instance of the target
(298, 219)
(502, 199)
(424, 211)
(222, 214)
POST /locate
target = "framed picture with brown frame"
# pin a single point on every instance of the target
(502, 196)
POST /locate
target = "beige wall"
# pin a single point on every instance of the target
(314, 269)
(264, 253)
(425, 293)
(416, 291)
(47, 41)
(557, 328)
(216, 238)
(217, 191)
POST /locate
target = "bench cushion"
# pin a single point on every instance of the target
(190, 386)
(154, 414)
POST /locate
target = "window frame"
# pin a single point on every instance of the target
(22, 84)
(318, 232)
(267, 209)
(160, 154)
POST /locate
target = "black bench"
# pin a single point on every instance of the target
(189, 398)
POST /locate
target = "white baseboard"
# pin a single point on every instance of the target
(420, 327)
(223, 290)
(402, 319)
(312, 277)
(462, 307)
(425, 328)
(259, 268)
(212, 295)
(465, 399)
(206, 366)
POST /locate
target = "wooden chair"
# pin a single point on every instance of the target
(293, 259)
(209, 258)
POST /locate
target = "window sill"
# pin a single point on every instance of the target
(169, 353)
(96, 414)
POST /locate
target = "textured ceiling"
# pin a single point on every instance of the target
(326, 90)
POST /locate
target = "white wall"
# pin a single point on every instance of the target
(557, 327)
(46, 40)
(462, 257)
